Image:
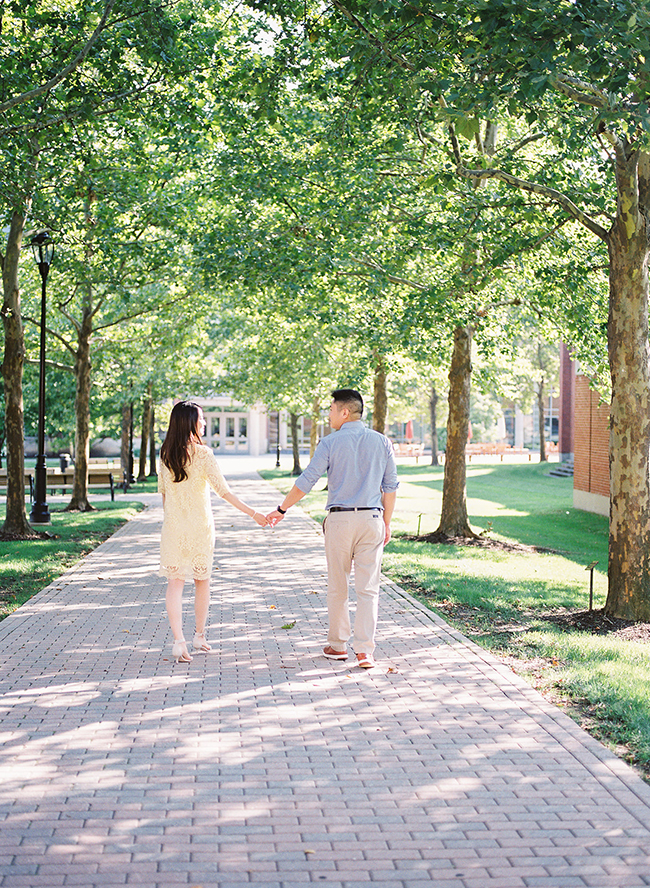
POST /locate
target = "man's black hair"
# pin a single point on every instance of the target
(349, 398)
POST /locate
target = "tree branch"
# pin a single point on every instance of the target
(52, 333)
(136, 314)
(483, 312)
(376, 267)
(53, 365)
(579, 91)
(534, 188)
(399, 60)
(78, 59)
(116, 101)
(69, 317)
(533, 137)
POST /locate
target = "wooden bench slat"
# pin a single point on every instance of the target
(98, 476)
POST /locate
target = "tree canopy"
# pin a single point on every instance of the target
(296, 194)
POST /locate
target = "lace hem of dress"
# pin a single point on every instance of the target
(172, 574)
(199, 569)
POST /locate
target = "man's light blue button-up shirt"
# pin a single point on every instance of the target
(360, 464)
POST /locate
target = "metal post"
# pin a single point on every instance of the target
(40, 513)
(590, 568)
(277, 448)
(131, 475)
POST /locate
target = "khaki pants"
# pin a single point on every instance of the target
(353, 537)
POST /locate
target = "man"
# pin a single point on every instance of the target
(362, 488)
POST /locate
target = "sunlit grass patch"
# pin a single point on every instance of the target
(27, 566)
(607, 679)
(495, 580)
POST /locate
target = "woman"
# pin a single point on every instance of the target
(187, 472)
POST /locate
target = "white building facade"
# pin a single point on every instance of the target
(232, 427)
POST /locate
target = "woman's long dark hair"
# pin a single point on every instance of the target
(183, 430)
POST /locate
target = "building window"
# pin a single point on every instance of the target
(215, 434)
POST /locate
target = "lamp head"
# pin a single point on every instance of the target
(43, 248)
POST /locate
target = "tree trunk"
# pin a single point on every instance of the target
(540, 414)
(83, 373)
(15, 525)
(453, 518)
(153, 469)
(433, 404)
(296, 470)
(380, 397)
(146, 434)
(313, 431)
(126, 457)
(628, 594)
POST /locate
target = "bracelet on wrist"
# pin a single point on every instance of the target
(281, 510)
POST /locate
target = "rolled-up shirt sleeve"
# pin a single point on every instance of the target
(389, 482)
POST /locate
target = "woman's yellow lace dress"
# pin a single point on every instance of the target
(187, 540)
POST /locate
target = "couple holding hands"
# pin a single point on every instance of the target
(362, 488)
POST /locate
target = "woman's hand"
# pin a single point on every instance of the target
(258, 518)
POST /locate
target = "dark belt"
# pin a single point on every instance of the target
(353, 508)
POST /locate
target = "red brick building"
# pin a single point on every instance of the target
(591, 449)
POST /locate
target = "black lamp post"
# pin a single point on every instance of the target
(277, 445)
(43, 248)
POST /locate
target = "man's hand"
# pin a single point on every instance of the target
(387, 535)
(294, 496)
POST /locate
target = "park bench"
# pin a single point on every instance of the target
(495, 449)
(29, 481)
(98, 476)
(403, 449)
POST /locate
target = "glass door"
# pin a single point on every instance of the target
(215, 433)
(242, 434)
(230, 442)
(229, 433)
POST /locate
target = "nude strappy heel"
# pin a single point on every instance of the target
(200, 643)
(180, 652)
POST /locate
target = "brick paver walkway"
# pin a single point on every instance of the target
(263, 763)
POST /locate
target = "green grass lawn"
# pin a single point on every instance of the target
(515, 503)
(501, 599)
(27, 566)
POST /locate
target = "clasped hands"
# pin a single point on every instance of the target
(273, 517)
(269, 520)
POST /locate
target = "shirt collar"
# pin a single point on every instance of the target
(354, 425)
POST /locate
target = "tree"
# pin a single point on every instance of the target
(287, 217)
(545, 364)
(89, 61)
(448, 243)
(283, 363)
(147, 430)
(556, 72)
(48, 49)
(125, 214)
(584, 68)
(433, 420)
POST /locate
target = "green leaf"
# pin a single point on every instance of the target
(468, 127)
